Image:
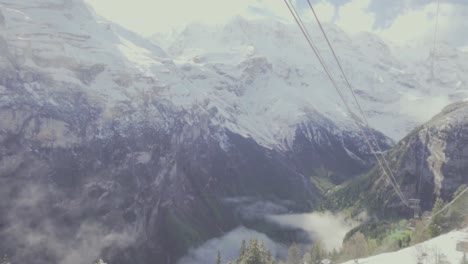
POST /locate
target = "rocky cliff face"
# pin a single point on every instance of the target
(430, 162)
(101, 155)
(266, 64)
(134, 191)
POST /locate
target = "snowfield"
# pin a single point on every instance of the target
(266, 80)
(442, 247)
(257, 78)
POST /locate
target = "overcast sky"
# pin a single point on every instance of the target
(402, 21)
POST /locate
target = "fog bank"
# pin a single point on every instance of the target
(229, 246)
(327, 227)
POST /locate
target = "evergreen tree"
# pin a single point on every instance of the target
(456, 214)
(269, 257)
(356, 246)
(307, 259)
(265, 254)
(333, 255)
(294, 257)
(5, 260)
(420, 233)
(100, 261)
(408, 240)
(253, 255)
(372, 246)
(218, 258)
(242, 252)
(317, 253)
(243, 248)
(435, 227)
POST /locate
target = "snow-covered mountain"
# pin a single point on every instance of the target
(111, 147)
(114, 146)
(267, 71)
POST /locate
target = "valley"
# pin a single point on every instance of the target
(157, 149)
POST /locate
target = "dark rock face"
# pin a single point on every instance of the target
(133, 191)
(88, 74)
(138, 180)
(318, 151)
(430, 162)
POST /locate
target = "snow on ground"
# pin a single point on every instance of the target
(444, 244)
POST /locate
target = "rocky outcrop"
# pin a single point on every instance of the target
(321, 150)
(430, 162)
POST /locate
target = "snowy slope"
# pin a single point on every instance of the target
(66, 41)
(256, 78)
(444, 244)
(267, 71)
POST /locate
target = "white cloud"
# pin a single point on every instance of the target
(147, 17)
(414, 106)
(326, 227)
(325, 11)
(416, 26)
(354, 16)
(228, 245)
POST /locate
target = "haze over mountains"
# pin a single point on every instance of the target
(138, 149)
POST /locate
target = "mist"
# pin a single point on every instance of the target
(229, 245)
(33, 226)
(250, 208)
(416, 106)
(327, 227)
(324, 226)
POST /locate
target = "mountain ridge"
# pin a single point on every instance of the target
(109, 150)
(113, 147)
(427, 164)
